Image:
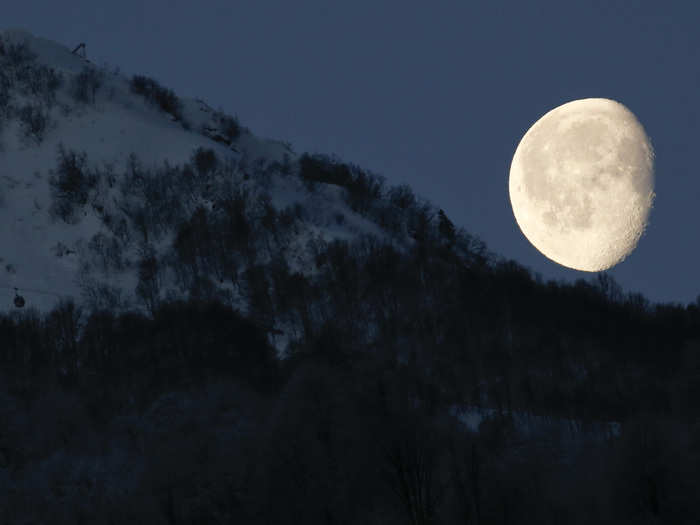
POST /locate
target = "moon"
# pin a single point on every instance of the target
(582, 184)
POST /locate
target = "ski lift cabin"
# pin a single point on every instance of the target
(19, 300)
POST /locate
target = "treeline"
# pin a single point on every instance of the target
(225, 227)
(197, 339)
(158, 95)
(187, 415)
(221, 227)
(482, 329)
(395, 209)
(228, 128)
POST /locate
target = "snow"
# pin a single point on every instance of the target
(119, 124)
(48, 52)
(529, 425)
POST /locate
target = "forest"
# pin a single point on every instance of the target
(188, 415)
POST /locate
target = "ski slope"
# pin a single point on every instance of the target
(47, 260)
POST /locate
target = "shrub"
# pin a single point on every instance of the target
(42, 82)
(149, 285)
(154, 201)
(156, 94)
(70, 184)
(102, 297)
(142, 85)
(205, 160)
(51, 81)
(19, 57)
(362, 187)
(5, 98)
(194, 245)
(284, 167)
(168, 102)
(86, 84)
(34, 122)
(402, 197)
(320, 168)
(446, 227)
(5, 79)
(230, 127)
(107, 252)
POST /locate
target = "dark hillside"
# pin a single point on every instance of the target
(187, 415)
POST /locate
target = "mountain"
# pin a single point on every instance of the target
(219, 330)
(113, 125)
(64, 117)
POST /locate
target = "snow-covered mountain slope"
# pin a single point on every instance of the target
(47, 258)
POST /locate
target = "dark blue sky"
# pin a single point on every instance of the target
(435, 94)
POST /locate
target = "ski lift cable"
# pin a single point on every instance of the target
(45, 292)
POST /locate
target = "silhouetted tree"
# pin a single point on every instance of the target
(34, 121)
(71, 183)
(86, 84)
(446, 228)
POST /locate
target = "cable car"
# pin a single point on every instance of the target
(19, 300)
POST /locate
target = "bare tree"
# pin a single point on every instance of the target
(411, 468)
(466, 477)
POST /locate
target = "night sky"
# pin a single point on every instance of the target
(433, 94)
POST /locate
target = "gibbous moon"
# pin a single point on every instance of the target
(582, 183)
